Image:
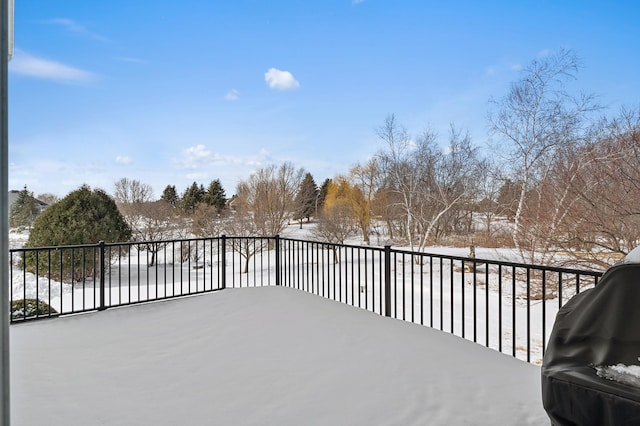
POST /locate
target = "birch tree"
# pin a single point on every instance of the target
(425, 182)
(535, 120)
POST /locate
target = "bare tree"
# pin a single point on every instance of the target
(336, 222)
(335, 225)
(387, 208)
(450, 181)
(48, 198)
(366, 181)
(603, 221)
(535, 120)
(243, 233)
(132, 191)
(486, 204)
(152, 223)
(398, 164)
(207, 221)
(430, 187)
(269, 197)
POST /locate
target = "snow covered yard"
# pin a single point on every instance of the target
(260, 356)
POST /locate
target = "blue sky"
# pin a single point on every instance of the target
(171, 92)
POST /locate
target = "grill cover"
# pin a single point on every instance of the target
(598, 327)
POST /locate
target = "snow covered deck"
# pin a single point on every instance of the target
(260, 356)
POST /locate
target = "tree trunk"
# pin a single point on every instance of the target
(246, 264)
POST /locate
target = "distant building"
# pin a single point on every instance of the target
(13, 196)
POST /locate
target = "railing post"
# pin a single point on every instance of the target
(102, 306)
(387, 281)
(223, 283)
(277, 240)
(5, 284)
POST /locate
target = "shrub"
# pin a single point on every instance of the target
(84, 216)
(25, 308)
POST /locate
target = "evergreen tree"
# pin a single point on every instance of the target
(24, 210)
(216, 196)
(322, 196)
(192, 196)
(306, 199)
(170, 195)
(82, 217)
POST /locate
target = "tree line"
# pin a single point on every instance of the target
(560, 183)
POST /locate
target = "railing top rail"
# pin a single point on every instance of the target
(176, 240)
(505, 263)
(463, 258)
(54, 248)
(112, 244)
(247, 238)
(325, 243)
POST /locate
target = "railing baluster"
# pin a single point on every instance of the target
(486, 309)
(411, 282)
(560, 303)
(403, 288)
(499, 308)
(452, 301)
(544, 311)
(475, 304)
(353, 291)
(528, 314)
(381, 280)
(421, 290)
(102, 268)
(37, 287)
(138, 265)
(513, 309)
(441, 294)
(73, 280)
(462, 300)
(431, 291)
(48, 280)
(333, 271)
(366, 280)
(387, 280)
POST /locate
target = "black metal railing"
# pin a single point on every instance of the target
(503, 305)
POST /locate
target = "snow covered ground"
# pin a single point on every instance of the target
(260, 356)
(465, 306)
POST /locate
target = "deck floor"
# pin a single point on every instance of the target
(260, 356)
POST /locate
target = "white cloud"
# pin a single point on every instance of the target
(75, 27)
(198, 175)
(198, 153)
(123, 159)
(544, 53)
(499, 69)
(32, 66)
(129, 59)
(198, 156)
(232, 95)
(280, 80)
(70, 24)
